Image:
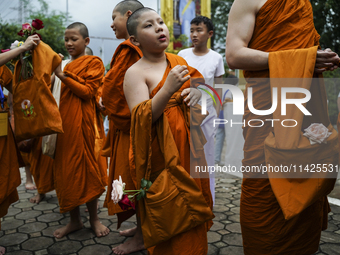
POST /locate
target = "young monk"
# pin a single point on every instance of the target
(155, 87)
(119, 114)
(77, 176)
(9, 170)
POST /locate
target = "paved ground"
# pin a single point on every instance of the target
(27, 228)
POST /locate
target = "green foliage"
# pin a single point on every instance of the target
(327, 22)
(183, 39)
(52, 33)
(219, 16)
(8, 34)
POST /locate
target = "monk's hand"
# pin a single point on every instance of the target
(326, 60)
(61, 56)
(101, 105)
(31, 42)
(176, 78)
(193, 97)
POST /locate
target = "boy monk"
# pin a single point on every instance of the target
(154, 86)
(78, 179)
(116, 106)
(9, 170)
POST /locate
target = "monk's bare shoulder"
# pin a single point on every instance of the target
(248, 5)
(135, 71)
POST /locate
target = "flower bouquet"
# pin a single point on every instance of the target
(26, 58)
(126, 198)
(26, 31)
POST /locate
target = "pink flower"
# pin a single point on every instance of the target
(117, 190)
(21, 33)
(125, 203)
(26, 26)
(2, 51)
(317, 133)
(37, 24)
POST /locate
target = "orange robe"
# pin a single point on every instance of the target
(41, 168)
(9, 166)
(77, 177)
(100, 138)
(120, 118)
(280, 25)
(195, 240)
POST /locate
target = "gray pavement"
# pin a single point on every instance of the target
(28, 228)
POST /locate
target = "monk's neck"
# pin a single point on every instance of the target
(76, 57)
(154, 58)
(200, 50)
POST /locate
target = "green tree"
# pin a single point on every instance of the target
(327, 22)
(219, 16)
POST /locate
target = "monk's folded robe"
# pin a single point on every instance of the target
(41, 168)
(77, 175)
(35, 109)
(118, 137)
(195, 240)
(9, 166)
(264, 228)
(100, 137)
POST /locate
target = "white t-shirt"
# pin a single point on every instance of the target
(210, 65)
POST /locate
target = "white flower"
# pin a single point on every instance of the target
(317, 133)
(25, 104)
(117, 190)
(14, 45)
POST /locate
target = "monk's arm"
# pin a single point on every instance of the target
(240, 30)
(84, 89)
(29, 44)
(136, 90)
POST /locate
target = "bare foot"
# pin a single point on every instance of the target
(30, 186)
(128, 232)
(2, 250)
(86, 210)
(99, 229)
(70, 227)
(37, 198)
(133, 245)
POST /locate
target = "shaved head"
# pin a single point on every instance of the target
(81, 28)
(128, 5)
(88, 51)
(133, 20)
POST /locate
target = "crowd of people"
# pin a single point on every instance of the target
(156, 130)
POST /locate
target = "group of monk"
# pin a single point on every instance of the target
(149, 88)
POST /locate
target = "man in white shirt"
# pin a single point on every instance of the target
(210, 64)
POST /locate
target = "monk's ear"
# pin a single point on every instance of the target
(87, 41)
(134, 40)
(128, 13)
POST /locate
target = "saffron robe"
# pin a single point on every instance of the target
(9, 165)
(77, 177)
(280, 25)
(195, 240)
(120, 120)
(41, 168)
(100, 138)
